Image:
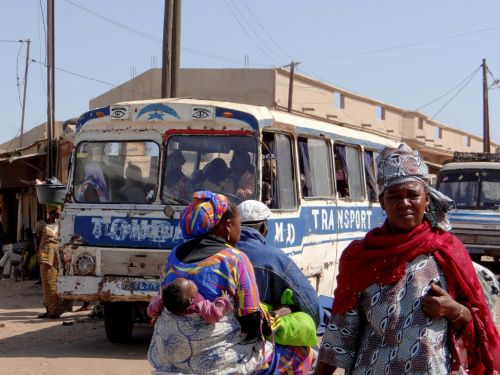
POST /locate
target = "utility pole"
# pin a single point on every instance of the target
(486, 114)
(25, 86)
(176, 50)
(166, 66)
(290, 85)
(50, 85)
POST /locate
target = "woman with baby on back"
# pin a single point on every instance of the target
(235, 343)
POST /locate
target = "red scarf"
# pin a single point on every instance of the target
(380, 258)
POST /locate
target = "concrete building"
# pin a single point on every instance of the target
(269, 88)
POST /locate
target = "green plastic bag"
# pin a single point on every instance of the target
(296, 329)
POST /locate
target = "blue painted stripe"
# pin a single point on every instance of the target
(239, 115)
(91, 115)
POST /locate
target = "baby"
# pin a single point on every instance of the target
(181, 297)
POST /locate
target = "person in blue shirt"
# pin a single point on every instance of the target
(274, 270)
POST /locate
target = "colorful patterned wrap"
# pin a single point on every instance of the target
(202, 214)
(187, 343)
(398, 165)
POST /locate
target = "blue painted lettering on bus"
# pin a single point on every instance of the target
(121, 229)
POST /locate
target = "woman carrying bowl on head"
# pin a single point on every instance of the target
(408, 299)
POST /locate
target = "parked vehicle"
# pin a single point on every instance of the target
(135, 166)
(472, 180)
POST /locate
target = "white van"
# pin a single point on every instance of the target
(472, 180)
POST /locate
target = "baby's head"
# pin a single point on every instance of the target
(179, 294)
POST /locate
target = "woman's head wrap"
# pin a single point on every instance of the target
(51, 207)
(175, 160)
(202, 214)
(93, 173)
(399, 165)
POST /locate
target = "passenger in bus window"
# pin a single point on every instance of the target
(133, 191)
(408, 299)
(217, 177)
(93, 188)
(342, 189)
(303, 185)
(242, 174)
(176, 184)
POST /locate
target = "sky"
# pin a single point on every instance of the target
(404, 53)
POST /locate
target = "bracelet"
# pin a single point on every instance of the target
(460, 314)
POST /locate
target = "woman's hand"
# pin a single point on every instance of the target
(439, 306)
(443, 306)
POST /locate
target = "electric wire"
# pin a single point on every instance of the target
(97, 80)
(454, 96)
(403, 46)
(248, 34)
(156, 39)
(454, 88)
(262, 27)
(253, 30)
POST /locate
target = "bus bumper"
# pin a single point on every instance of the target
(107, 288)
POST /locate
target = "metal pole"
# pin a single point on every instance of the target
(176, 49)
(50, 85)
(166, 68)
(486, 115)
(25, 87)
(290, 87)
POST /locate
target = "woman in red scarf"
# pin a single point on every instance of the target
(408, 299)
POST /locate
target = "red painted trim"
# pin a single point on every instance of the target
(193, 131)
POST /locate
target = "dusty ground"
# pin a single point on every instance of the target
(30, 346)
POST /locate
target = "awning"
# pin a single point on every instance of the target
(23, 157)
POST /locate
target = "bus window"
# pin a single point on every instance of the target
(116, 172)
(348, 172)
(371, 175)
(315, 168)
(221, 164)
(282, 195)
(490, 189)
(460, 185)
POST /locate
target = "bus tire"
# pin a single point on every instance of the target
(118, 321)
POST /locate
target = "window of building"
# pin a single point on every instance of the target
(278, 178)
(420, 123)
(348, 172)
(467, 141)
(315, 168)
(339, 100)
(438, 132)
(380, 112)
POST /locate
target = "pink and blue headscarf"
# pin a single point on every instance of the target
(202, 214)
(402, 164)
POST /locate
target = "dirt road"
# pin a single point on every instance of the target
(30, 346)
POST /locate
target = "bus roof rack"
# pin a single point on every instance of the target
(475, 156)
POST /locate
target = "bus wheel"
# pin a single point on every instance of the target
(118, 321)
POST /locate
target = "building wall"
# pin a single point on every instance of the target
(247, 86)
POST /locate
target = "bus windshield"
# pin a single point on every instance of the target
(472, 189)
(116, 172)
(221, 164)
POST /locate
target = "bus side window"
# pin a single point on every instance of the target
(348, 173)
(370, 175)
(315, 167)
(282, 195)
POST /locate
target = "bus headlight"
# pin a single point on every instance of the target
(84, 265)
